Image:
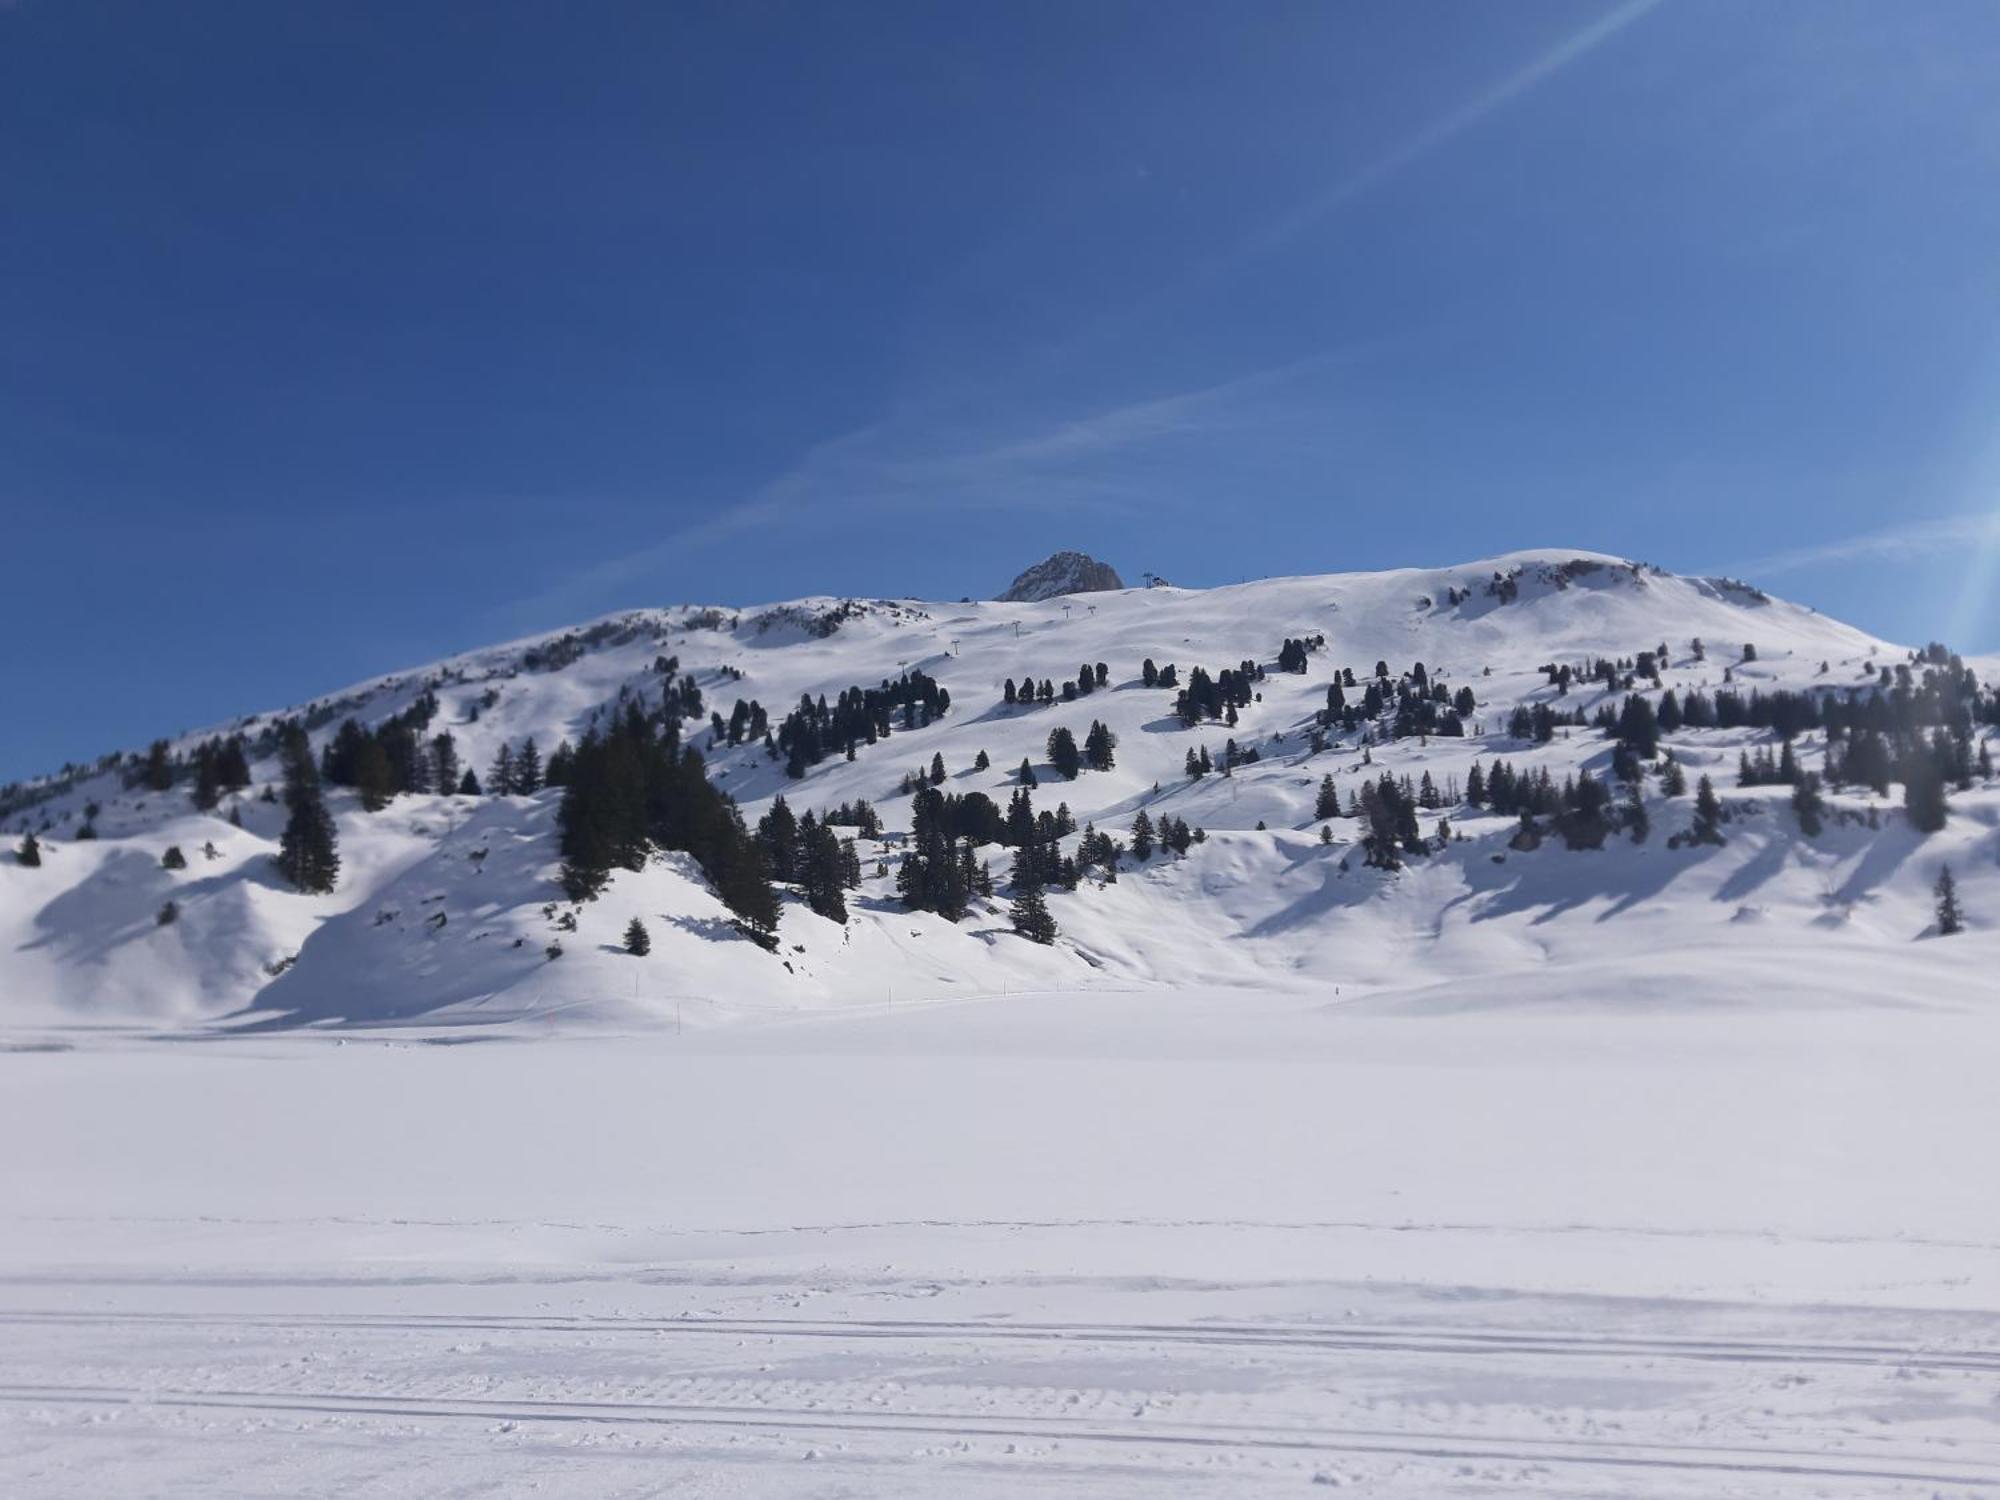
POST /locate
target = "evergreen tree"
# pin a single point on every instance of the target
(982, 762)
(173, 859)
(445, 769)
(1950, 917)
(468, 784)
(500, 779)
(1098, 746)
(1707, 815)
(308, 850)
(1142, 837)
(1923, 791)
(1063, 754)
(528, 769)
(937, 769)
(1673, 779)
(1807, 804)
(207, 779)
(168, 914)
(30, 852)
(778, 831)
(826, 867)
(372, 775)
(1026, 775)
(1029, 912)
(638, 942)
(556, 772)
(1327, 803)
(158, 772)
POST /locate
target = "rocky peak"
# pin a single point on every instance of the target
(1064, 573)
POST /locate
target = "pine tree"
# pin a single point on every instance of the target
(826, 866)
(982, 762)
(1950, 917)
(158, 773)
(1923, 791)
(445, 768)
(500, 780)
(30, 852)
(1707, 815)
(778, 831)
(1673, 779)
(168, 914)
(937, 769)
(1098, 746)
(528, 769)
(1026, 775)
(1327, 803)
(173, 859)
(1063, 754)
(1807, 804)
(468, 784)
(207, 779)
(1029, 912)
(373, 777)
(638, 942)
(308, 850)
(1142, 837)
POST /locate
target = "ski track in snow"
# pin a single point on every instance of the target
(1411, 1409)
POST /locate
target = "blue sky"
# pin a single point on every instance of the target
(334, 337)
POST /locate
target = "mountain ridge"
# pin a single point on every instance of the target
(1261, 902)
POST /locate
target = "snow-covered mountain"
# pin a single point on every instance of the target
(447, 905)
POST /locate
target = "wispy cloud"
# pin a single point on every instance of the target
(1916, 539)
(1450, 125)
(925, 462)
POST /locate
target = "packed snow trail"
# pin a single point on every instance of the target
(1105, 1245)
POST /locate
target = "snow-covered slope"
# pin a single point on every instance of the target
(447, 904)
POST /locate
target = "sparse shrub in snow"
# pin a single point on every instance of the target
(170, 912)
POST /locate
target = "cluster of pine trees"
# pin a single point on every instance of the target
(807, 853)
(1293, 654)
(747, 722)
(393, 757)
(1159, 677)
(1170, 833)
(1068, 762)
(860, 815)
(940, 872)
(1217, 697)
(1090, 678)
(217, 765)
(816, 729)
(633, 789)
(1420, 706)
(1539, 722)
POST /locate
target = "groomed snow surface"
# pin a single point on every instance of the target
(1643, 1171)
(1111, 1245)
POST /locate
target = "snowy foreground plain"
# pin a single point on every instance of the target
(1655, 1169)
(1107, 1244)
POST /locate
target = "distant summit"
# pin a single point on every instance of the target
(1064, 573)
